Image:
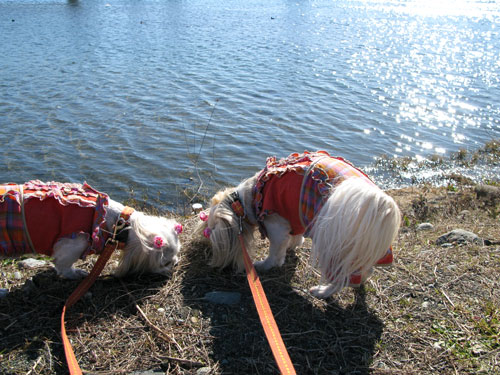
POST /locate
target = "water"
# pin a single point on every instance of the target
(159, 97)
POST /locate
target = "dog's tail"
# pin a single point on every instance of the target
(353, 230)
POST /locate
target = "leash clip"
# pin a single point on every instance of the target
(238, 209)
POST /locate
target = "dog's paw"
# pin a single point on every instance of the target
(73, 274)
(264, 265)
(322, 291)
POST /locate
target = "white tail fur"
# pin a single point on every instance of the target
(353, 230)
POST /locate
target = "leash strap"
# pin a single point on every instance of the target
(73, 367)
(266, 317)
(259, 296)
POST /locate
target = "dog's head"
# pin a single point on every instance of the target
(221, 226)
(152, 247)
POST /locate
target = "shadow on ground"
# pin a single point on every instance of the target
(321, 338)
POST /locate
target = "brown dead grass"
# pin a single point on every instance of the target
(436, 311)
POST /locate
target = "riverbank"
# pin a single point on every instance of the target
(435, 311)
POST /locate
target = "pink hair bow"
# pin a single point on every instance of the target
(158, 242)
(178, 228)
(207, 232)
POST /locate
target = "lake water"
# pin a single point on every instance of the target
(157, 97)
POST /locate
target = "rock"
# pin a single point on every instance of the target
(18, 275)
(3, 292)
(32, 263)
(488, 193)
(223, 298)
(459, 236)
(197, 207)
(203, 371)
(425, 226)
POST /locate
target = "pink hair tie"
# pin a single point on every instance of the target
(203, 216)
(178, 228)
(207, 232)
(158, 242)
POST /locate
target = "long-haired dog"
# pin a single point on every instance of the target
(68, 221)
(351, 222)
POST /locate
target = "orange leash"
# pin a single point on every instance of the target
(266, 317)
(73, 367)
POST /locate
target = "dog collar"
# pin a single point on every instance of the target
(236, 204)
(120, 229)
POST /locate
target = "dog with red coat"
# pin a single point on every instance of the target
(351, 222)
(68, 221)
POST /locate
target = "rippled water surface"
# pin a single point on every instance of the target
(156, 96)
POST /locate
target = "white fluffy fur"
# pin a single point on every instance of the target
(138, 255)
(354, 229)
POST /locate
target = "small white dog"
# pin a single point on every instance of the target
(351, 222)
(68, 221)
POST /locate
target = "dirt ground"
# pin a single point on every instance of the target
(435, 311)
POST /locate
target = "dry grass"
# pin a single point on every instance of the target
(436, 311)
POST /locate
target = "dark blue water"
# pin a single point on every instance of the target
(165, 98)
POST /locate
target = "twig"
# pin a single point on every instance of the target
(206, 130)
(149, 323)
(180, 360)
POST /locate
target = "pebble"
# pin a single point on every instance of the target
(17, 275)
(437, 345)
(3, 292)
(203, 371)
(161, 310)
(32, 263)
(425, 304)
(197, 207)
(425, 226)
(223, 298)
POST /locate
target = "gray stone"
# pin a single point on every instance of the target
(203, 371)
(425, 226)
(488, 192)
(459, 236)
(32, 263)
(223, 298)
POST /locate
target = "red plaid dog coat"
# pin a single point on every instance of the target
(297, 187)
(34, 216)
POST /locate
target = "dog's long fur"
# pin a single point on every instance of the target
(353, 230)
(138, 255)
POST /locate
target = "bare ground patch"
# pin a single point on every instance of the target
(435, 311)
